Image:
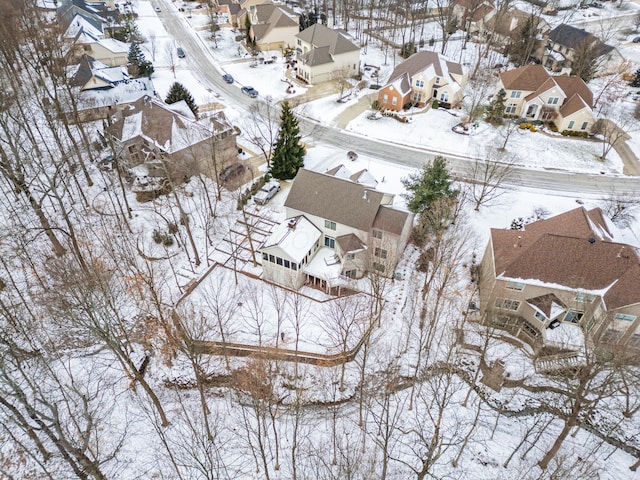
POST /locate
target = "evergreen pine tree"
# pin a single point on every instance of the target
(495, 111)
(288, 154)
(178, 92)
(135, 56)
(141, 67)
(428, 186)
(636, 79)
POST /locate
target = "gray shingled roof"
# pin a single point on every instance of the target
(320, 36)
(341, 201)
(420, 61)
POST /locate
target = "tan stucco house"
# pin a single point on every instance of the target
(535, 94)
(324, 54)
(563, 281)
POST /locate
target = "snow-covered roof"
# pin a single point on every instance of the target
(295, 237)
(326, 266)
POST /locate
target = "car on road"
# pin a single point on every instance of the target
(636, 40)
(181, 53)
(232, 171)
(227, 78)
(267, 192)
(250, 91)
(157, 9)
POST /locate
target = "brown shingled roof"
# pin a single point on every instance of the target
(527, 78)
(574, 250)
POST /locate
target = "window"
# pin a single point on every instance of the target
(420, 83)
(571, 124)
(540, 316)
(279, 261)
(378, 267)
(380, 252)
(437, 80)
(294, 266)
(511, 108)
(553, 100)
(573, 316)
(584, 125)
(330, 225)
(272, 259)
(377, 234)
(416, 97)
(385, 98)
(506, 304)
(626, 318)
(394, 101)
(350, 273)
(584, 297)
(444, 97)
(265, 257)
(515, 285)
(350, 256)
(287, 264)
(516, 94)
(329, 242)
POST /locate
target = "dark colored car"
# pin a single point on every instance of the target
(250, 91)
(232, 171)
(636, 40)
(227, 78)
(181, 53)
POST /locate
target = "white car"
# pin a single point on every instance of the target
(267, 192)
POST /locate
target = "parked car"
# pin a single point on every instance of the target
(636, 40)
(267, 192)
(250, 91)
(232, 171)
(181, 53)
(227, 78)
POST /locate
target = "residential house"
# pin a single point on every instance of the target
(336, 229)
(565, 42)
(231, 9)
(506, 28)
(560, 279)
(169, 141)
(324, 54)
(272, 27)
(423, 77)
(472, 15)
(85, 31)
(534, 94)
(91, 74)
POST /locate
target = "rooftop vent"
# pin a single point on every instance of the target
(592, 240)
(292, 223)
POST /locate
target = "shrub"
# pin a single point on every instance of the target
(375, 105)
(435, 104)
(553, 127)
(164, 238)
(574, 133)
(524, 125)
(532, 128)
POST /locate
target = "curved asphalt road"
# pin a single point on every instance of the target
(558, 181)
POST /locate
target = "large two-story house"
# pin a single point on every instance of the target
(273, 27)
(85, 32)
(562, 278)
(338, 227)
(169, 141)
(534, 94)
(423, 77)
(324, 54)
(564, 44)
